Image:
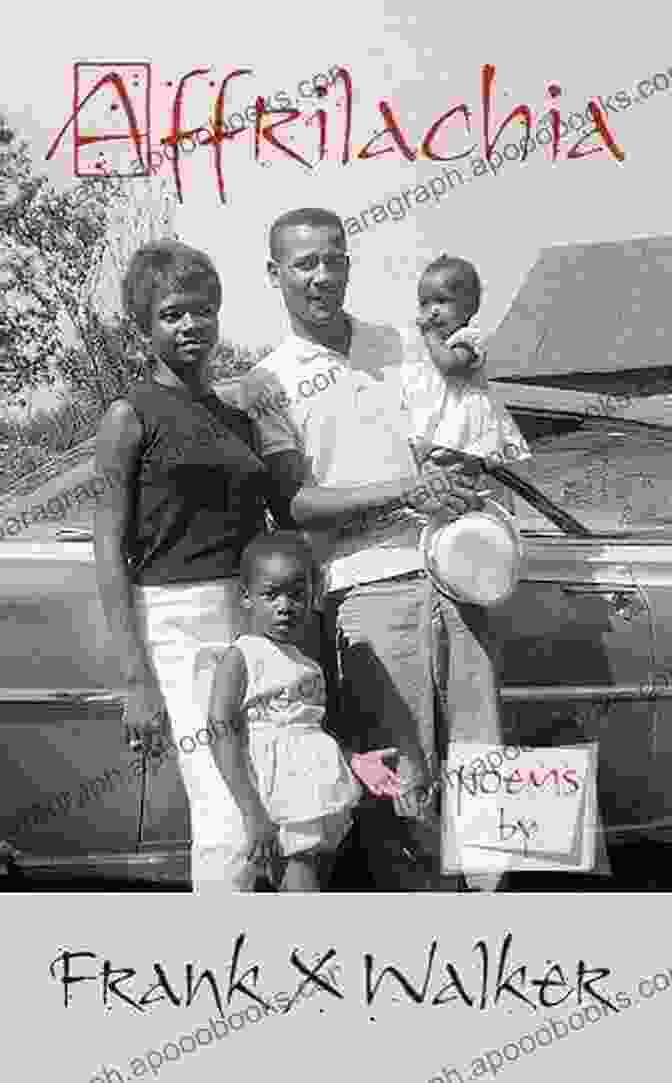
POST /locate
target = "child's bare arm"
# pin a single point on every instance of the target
(458, 354)
(449, 358)
(228, 747)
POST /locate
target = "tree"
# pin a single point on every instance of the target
(62, 257)
(230, 361)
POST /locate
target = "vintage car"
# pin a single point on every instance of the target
(587, 656)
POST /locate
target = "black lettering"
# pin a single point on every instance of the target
(111, 986)
(214, 989)
(239, 985)
(163, 984)
(66, 978)
(498, 778)
(547, 981)
(453, 983)
(417, 997)
(312, 976)
(599, 972)
(461, 785)
(571, 781)
(504, 984)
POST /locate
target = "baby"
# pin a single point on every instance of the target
(445, 388)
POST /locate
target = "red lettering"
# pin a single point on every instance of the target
(176, 130)
(392, 127)
(342, 73)
(322, 119)
(425, 148)
(218, 131)
(399, 142)
(487, 79)
(552, 772)
(267, 130)
(79, 140)
(554, 92)
(601, 127)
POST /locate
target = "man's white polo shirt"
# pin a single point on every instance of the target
(346, 416)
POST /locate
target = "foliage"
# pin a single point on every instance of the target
(230, 362)
(62, 258)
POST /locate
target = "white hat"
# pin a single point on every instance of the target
(476, 558)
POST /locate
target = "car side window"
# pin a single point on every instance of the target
(47, 501)
(611, 475)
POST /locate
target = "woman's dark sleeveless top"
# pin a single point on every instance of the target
(198, 491)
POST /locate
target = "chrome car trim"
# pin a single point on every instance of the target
(37, 706)
(55, 698)
(560, 560)
(651, 566)
(100, 860)
(73, 533)
(159, 866)
(63, 697)
(603, 590)
(555, 692)
(48, 549)
(652, 411)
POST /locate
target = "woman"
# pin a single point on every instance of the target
(168, 539)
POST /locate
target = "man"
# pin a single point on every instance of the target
(328, 406)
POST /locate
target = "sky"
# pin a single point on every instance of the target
(422, 64)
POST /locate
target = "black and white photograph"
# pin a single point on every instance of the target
(336, 543)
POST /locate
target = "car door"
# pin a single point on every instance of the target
(649, 519)
(74, 801)
(579, 636)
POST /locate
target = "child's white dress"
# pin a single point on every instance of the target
(463, 416)
(300, 772)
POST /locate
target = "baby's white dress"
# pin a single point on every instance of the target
(300, 772)
(463, 415)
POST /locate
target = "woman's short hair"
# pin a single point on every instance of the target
(160, 267)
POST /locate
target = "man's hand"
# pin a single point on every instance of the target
(449, 489)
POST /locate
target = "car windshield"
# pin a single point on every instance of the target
(60, 494)
(612, 474)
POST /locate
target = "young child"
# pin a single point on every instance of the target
(445, 388)
(292, 783)
(451, 408)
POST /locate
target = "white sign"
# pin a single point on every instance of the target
(519, 808)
